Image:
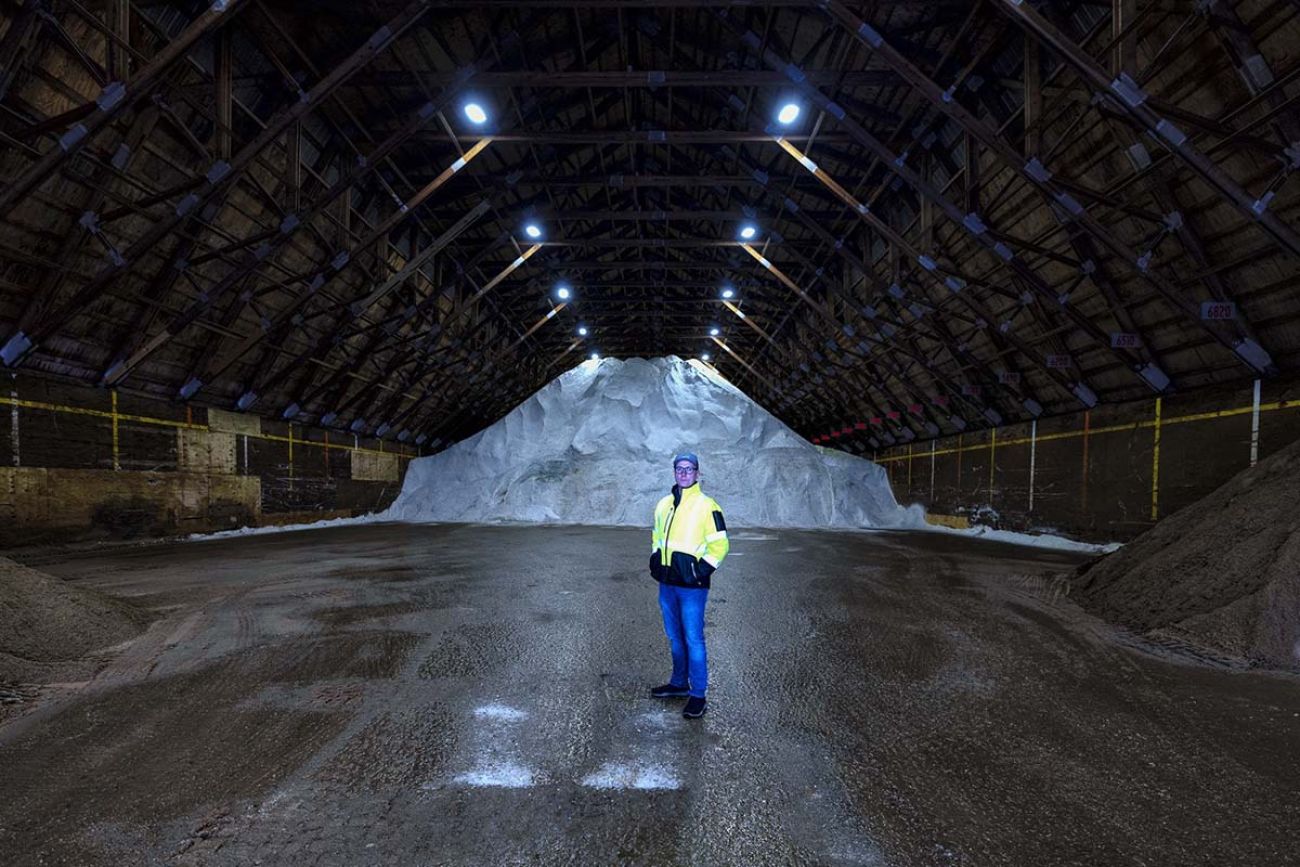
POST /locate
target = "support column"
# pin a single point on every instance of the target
(1033, 96)
(1033, 460)
(1155, 464)
(1083, 482)
(13, 422)
(119, 23)
(1254, 427)
(932, 449)
(1123, 52)
(223, 75)
(117, 454)
(993, 447)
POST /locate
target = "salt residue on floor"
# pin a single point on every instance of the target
(502, 775)
(1033, 540)
(635, 776)
(500, 712)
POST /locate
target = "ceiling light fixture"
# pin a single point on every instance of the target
(789, 113)
(476, 113)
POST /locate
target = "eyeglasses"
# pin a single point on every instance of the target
(684, 471)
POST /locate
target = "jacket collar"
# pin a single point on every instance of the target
(680, 493)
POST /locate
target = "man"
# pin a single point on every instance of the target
(690, 540)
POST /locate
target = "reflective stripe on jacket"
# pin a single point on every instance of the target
(690, 538)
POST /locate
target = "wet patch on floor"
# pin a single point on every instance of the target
(396, 751)
(343, 655)
(471, 650)
(348, 615)
(338, 695)
(381, 574)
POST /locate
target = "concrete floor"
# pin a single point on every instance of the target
(477, 695)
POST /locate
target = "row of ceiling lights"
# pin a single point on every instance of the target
(476, 114)
(747, 232)
(564, 293)
(786, 115)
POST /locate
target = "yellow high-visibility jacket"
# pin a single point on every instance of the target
(690, 538)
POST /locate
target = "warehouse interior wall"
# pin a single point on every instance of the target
(1106, 474)
(80, 463)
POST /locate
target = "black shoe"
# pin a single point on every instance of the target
(695, 707)
(669, 691)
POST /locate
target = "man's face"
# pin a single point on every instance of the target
(685, 474)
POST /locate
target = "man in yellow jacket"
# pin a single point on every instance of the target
(690, 541)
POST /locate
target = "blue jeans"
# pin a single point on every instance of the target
(683, 610)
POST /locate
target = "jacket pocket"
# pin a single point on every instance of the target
(685, 570)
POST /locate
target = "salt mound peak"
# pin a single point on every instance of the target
(595, 446)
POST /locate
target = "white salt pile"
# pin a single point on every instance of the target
(595, 446)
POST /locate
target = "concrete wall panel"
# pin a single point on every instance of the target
(55, 504)
(202, 451)
(371, 467)
(91, 469)
(234, 422)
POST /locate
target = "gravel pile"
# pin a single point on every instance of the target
(1223, 572)
(46, 622)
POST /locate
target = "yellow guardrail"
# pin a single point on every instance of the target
(1074, 434)
(114, 418)
(1156, 424)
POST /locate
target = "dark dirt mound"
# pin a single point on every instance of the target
(1224, 572)
(45, 622)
